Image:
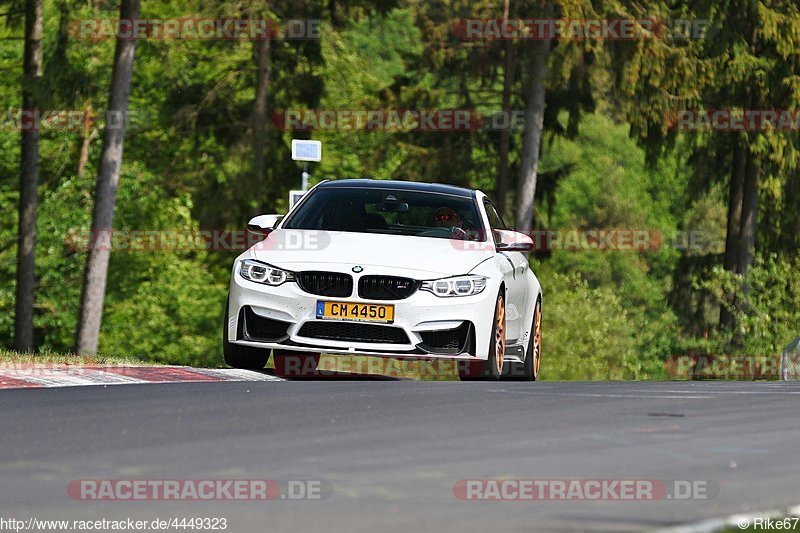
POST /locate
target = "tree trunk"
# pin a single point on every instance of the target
(263, 66)
(88, 133)
(749, 216)
(28, 181)
(501, 192)
(736, 191)
(749, 220)
(94, 284)
(534, 122)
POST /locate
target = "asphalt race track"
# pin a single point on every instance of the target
(391, 451)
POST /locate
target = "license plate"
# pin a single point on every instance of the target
(355, 311)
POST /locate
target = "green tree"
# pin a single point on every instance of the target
(748, 61)
(29, 179)
(94, 285)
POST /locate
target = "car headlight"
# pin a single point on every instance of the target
(259, 272)
(457, 286)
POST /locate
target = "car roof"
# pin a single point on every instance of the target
(440, 188)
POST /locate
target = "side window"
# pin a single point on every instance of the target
(495, 222)
(494, 218)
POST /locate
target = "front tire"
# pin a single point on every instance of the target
(492, 368)
(536, 343)
(244, 357)
(529, 369)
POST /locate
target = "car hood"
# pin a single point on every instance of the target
(417, 257)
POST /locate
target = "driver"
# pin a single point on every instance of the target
(444, 217)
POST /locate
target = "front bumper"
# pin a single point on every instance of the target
(284, 317)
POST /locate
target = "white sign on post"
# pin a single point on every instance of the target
(306, 150)
(294, 197)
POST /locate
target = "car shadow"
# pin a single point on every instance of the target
(332, 375)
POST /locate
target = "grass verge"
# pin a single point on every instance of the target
(51, 358)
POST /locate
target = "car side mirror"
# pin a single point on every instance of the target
(512, 241)
(263, 224)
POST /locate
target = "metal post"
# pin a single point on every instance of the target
(305, 176)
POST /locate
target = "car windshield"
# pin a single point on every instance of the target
(389, 211)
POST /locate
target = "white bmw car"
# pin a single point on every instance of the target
(387, 268)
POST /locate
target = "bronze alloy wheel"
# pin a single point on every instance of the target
(527, 369)
(499, 334)
(537, 338)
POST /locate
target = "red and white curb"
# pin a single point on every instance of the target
(31, 376)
